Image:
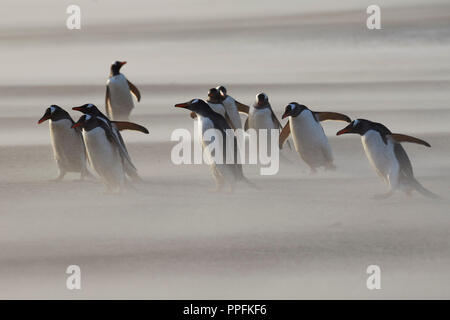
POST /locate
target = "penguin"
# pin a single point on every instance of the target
(309, 138)
(103, 151)
(214, 101)
(67, 143)
(115, 127)
(118, 101)
(232, 107)
(388, 157)
(262, 117)
(223, 173)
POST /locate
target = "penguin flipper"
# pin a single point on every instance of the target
(398, 137)
(242, 108)
(230, 123)
(134, 90)
(116, 139)
(126, 125)
(323, 116)
(108, 103)
(285, 132)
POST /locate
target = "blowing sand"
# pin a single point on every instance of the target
(301, 235)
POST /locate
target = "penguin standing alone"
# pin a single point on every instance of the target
(387, 156)
(67, 143)
(223, 172)
(309, 138)
(118, 100)
(103, 151)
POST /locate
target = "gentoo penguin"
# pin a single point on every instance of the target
(262, 117)
(67, 143)
(118, 101)
(103, 151)
(214, 101)
(387, 156)
(309, 138)
(232, 107)
(115, 127)
(223, 173)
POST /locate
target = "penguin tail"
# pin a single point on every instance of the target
(423, 191)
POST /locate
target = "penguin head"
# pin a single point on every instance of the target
(358, 126)
(293, 109)
(222, 90)
(115, 67)
(54, 112)
(261, 99)
(214, 95)
(196, 105)
(83, 121)
(87, 108)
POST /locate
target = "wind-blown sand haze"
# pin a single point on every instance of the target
(300, 236)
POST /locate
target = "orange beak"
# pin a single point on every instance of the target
(182, 105)
(44, 118)
(343, 131)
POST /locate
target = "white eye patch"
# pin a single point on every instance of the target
(355, 123)
(88, 117)
(292, 106)
(52, 109)
(90, 105)
(194, 101)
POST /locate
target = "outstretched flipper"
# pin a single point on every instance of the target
(134, 90)
(398, 137)
(242, 108)
(126, 125)
(323, 116)
(284, 134)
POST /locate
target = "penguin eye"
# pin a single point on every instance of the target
(52, 109)
(87, 117)
(292, 106)
(355, 123)
(194, 101)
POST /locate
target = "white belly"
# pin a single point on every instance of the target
(68, 147)
(225, 171)
(218, 108)
(381, 156)
(104, 157)
(261, 119)
(310, 140)
(120, 97)
(232, 111)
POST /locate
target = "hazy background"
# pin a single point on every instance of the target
(301, 236)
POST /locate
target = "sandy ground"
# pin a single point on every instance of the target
(301, 235)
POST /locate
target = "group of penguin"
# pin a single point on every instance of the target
(96, 137)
